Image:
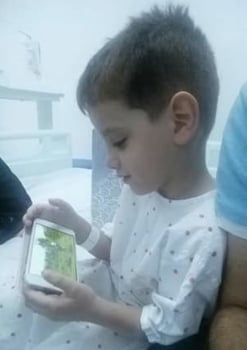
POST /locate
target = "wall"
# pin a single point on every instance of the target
(69, 32)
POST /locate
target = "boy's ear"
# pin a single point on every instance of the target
(185, 114)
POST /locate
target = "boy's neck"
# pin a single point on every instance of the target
(191, 179)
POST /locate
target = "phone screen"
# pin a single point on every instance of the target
(54, 250)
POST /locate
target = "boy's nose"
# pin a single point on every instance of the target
(113, 161)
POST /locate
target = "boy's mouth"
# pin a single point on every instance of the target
(126, 178)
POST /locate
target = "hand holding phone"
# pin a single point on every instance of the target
(56, 210)
(51, 247)
(61, 213)
(78, 302)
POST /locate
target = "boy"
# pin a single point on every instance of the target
(229, 330)
(151, 91)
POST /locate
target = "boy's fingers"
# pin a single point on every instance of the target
(34, 211)
(62, 282)
(38, 300)
(25, 220)
(27, 223)
(42, 211)
(60, 203)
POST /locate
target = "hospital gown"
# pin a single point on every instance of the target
(166, 258)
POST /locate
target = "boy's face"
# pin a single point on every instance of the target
(141, 151)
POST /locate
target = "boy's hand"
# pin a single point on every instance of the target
(77, 303)
(80, 303)
(57, 211)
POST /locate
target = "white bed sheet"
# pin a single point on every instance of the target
(71, 184)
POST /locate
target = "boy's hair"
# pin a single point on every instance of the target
(156, 55)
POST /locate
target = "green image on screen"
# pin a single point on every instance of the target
(59, 251)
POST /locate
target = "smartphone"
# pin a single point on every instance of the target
(51, 247)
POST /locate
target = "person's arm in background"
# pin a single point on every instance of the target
(14, 202)
(229, 328)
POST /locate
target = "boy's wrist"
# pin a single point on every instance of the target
(82, 229)
(116, 316)
(95, 314)
(92, 239)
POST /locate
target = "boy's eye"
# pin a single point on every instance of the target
(121, 143)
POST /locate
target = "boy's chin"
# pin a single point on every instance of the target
(140, 190)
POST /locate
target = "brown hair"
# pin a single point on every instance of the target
(158, 54)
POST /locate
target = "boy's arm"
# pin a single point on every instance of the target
(80, 303)
(103, 246)
(162, 321)
(122, 318)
